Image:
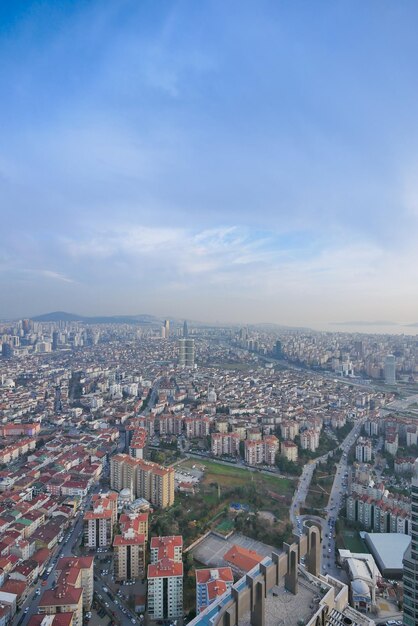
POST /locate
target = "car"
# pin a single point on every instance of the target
(133, 621)
(38, 592)
(26, 610)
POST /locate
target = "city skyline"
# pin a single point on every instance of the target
(251, 165)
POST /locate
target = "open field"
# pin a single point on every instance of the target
(353, 541)
(233, 476)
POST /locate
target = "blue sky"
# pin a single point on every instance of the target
(237, 161)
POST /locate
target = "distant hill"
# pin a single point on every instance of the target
(365, 323)
(63, 316)
(57, 316)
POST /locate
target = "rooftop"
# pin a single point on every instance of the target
(388, 549)
(282, 608)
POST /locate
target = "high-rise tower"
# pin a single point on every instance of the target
(185, 330)
(410, 561)
(390, 369)
(166, 328)
(186, 352)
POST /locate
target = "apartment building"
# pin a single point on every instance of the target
(165, 578)
(129, 555)
(63, 599)
(68, 567)
(167, 547)
(210, 584)
(109, 500)
(98, 527)
(363, 450)
(197, 427)
(289, 450)
(225, 444)
(289, 429)
(145, 480)
(309, 439)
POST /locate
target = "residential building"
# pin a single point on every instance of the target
(210, 584)
(129, 555)
(98, 528)
(225, 444)
(165, 578)
(363, 450)
(289, 450)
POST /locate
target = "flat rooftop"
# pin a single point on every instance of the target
(212, 549)
(388, 549)
(285, 609)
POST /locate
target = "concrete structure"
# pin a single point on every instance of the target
(390, 370)
(186, 352)
(281, 591)
(410, 562)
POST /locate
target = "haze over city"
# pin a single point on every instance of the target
(241, 162)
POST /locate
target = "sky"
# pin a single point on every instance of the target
(230, 161)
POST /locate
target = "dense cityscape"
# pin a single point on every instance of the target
(208, 313)
(151, 472)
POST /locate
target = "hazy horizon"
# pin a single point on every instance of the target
(221, 161)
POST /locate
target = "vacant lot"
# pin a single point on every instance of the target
(233, 476)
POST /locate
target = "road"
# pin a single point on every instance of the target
(115, 606)
(334, 502)
(66, 548)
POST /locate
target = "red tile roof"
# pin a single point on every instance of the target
(242, 558)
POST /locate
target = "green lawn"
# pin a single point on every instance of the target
(231, 475)
(225, 526)
(353, 541)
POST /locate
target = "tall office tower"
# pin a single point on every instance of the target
(358, 348)
(278, 349)
(57, 400)
(166, 328)
(6, 350)
(185, 330)
(410, 561)
(186, 352)
(182, 352)
(390, 369)
(55, 339)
